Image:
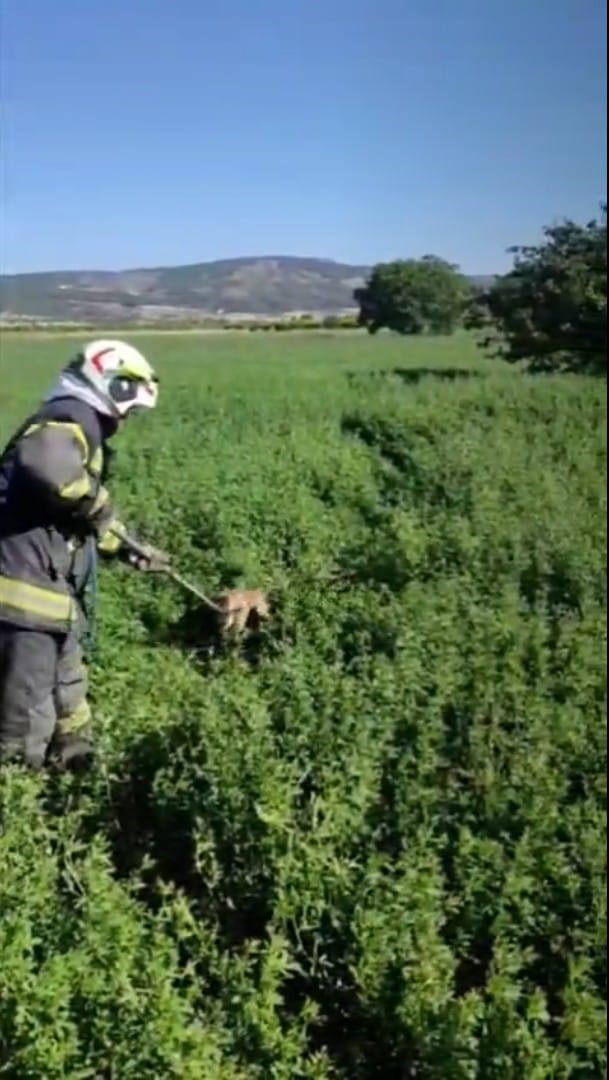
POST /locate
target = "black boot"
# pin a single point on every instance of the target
(72, 753)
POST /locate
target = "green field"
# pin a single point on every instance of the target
(373, 846)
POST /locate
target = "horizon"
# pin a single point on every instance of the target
(209, 262)
(367, 129)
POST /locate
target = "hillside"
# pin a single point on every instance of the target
(267, 285)
(260, 286)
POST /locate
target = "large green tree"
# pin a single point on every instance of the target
(413, 296)
(550, 310)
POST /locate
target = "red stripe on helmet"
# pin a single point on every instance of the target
(96, 360)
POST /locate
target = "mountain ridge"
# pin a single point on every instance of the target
(265, 285)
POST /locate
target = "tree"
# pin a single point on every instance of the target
(551, 308)
(413, 296)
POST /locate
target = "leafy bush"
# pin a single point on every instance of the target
(551, 309)
(340, 322)
(413, 296)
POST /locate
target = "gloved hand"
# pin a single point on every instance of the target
(150, 560)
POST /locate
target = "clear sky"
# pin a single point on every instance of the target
(155, 132)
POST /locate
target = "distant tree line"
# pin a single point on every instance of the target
(345, 321)
(549, 310)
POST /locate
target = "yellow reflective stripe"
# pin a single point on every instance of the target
(76, 721)
(33, 600)
(81, 487)
(110, 541)
(76, 489)
(100, 501)
(75, 430)
(96, 462)
(109, 544)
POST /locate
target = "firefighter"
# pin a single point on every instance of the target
(55, 515)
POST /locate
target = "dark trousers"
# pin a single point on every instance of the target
(44, 711)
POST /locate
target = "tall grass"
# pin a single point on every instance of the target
(374, 843)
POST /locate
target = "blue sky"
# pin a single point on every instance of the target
(154, 132)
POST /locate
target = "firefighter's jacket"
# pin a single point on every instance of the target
(53, 505)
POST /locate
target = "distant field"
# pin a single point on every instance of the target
(375, 847)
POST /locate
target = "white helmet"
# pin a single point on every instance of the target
(111, 376)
